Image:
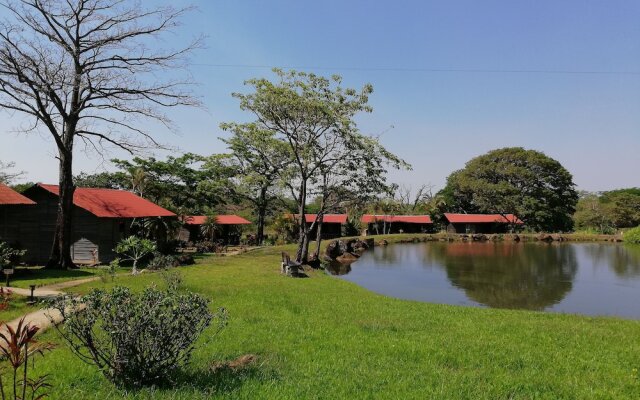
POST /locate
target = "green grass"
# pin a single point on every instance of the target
(17, 307)
(323, 337)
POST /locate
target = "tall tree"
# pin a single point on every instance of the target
(535, 187)
(261, 158)
(314, 117)
(85, 70)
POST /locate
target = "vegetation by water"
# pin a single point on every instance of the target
(325, 338)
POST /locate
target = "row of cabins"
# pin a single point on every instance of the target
(101, 218)
(332, 226)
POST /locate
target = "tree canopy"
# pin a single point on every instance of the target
(513, 180)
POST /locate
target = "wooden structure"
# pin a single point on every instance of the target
(100, 219)
(332, 224)
(481, 223)
(14, 208)
(229, 233)
(379, 224)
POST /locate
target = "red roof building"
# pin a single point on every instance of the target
(230, 219)
(331, 224)
(480, 223)
(100, 219)
(385, 224)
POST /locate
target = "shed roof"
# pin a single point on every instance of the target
(231, 219)
(407, 219)
(482, 218)
(9, 196)
(112, 203)
(326, 219)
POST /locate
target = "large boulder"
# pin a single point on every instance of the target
(335, 249)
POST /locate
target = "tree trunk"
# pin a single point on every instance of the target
(303, 234)
(262, 212)
(61, 250)
(316, 254)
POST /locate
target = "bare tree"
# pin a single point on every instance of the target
(6, 175)
(87, 70)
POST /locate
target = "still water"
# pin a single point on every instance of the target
(582, 278)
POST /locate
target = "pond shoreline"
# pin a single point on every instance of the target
(516, 237)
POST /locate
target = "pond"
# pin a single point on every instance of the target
(582, 278)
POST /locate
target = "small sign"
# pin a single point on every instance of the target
(8, 271)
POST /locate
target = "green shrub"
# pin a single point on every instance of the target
(9, 255)
(632, 235)
(135, 339)
(134, 249)
(161, 261)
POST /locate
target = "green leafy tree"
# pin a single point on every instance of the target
(134, 249)
(314, 117)
(535, 187)
(261, 158)
(592, 214)
(189, 184)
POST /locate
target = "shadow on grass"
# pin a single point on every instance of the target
(223, 380)
(42, 276)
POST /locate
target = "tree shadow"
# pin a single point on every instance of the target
(222, 380)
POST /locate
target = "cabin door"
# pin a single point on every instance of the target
(84, 252)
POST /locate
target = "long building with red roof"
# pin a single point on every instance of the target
(229, 223)
(379, 224)
(481, 223)
(100, 219)
(332, 224)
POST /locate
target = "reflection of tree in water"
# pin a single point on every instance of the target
(624, 260)
(506, 275)
(337, 267)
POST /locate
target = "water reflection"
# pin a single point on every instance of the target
(586, 278)
(338, 268)
(509, 276)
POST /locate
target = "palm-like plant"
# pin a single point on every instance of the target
(210, 228)
(17, 346)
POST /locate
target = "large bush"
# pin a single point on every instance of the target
(135, 339)
(632, 235)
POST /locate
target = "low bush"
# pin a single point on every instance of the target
(135, 339)
(9, 256)
(186, 259)
(632, 235)
(161, 261)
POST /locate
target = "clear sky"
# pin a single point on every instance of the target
(444, 73)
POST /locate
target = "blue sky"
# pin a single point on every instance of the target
(590, 122)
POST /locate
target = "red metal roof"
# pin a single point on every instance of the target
(407, 219)
(327, 218)
(9, 196)
(112, 203)
(220, 220)
(482, 218)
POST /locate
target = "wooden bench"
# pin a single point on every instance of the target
(288, 267)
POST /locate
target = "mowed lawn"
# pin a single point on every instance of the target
(324, 338)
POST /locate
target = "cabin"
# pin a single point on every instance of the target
(379, 224)
(14, 208)
(230, 228)
(332, 224)
(481, 223)
(100, 219)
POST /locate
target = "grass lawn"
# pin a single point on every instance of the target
(322, 337)
(40, 276)
(17, 307)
